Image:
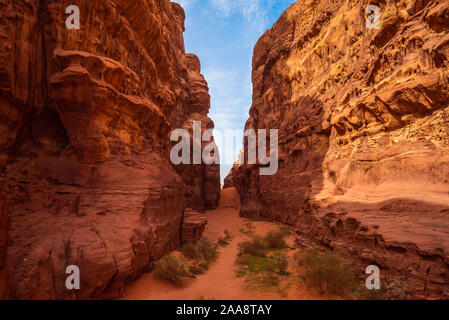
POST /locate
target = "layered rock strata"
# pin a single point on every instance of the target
(85, 120)
(363, 119)
(193, 226)
(202, 181)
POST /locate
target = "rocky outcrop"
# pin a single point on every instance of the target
(193, 226)
(363, 119)
(202, 181)
(85, 120)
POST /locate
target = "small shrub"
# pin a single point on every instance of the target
(248, 228)
(254, 247)
(208, 250)
(190, 250)
(254, 264)
(275, 240)
(327, 273)
(202, 250)
(240, 272)
(257, 261)
(196, 270)
(172, 268)
(257, 264)
(391, 291)
(395, 291)
(258, 245)
(223, 242)
(204, 265)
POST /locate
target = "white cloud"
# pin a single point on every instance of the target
(253, 11)
(186, 4)
(225, 6)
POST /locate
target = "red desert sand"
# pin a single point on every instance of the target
(220, 281)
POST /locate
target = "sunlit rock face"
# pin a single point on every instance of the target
(363, 123)
(85, 120)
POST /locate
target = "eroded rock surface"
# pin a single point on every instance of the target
(193, 225)
(85, 120)
(202, 181)
(363, 123)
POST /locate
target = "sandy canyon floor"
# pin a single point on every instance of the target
(220, 282)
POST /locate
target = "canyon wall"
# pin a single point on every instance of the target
(3, 245)
(202, 181)
(85, 121)
(363, 119)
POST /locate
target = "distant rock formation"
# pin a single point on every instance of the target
(363, 119)
(193, 226)
(85, 121)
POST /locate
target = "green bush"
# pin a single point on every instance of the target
(395, 291)
(257, 264)
(391, 291)
(254, 247)
(208, 250)
(275, 240)
(223, 242)
(196, 270)
(257, 261)
(259, 245)
(254, 264)
(190, 250)
(327, 273)
(202, 250)
(204, 265)
(172, 268)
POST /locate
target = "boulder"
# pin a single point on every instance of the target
(193, 226)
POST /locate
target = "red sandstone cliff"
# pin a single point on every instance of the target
(85, 119)
(363, 119)
(202, 181)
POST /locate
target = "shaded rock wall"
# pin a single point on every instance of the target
(363, 133)
(84, 146)
(202, 190)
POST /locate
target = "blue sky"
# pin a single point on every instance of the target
(222, 33)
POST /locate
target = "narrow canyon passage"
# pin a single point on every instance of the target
(220, 282)
(127, 136)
